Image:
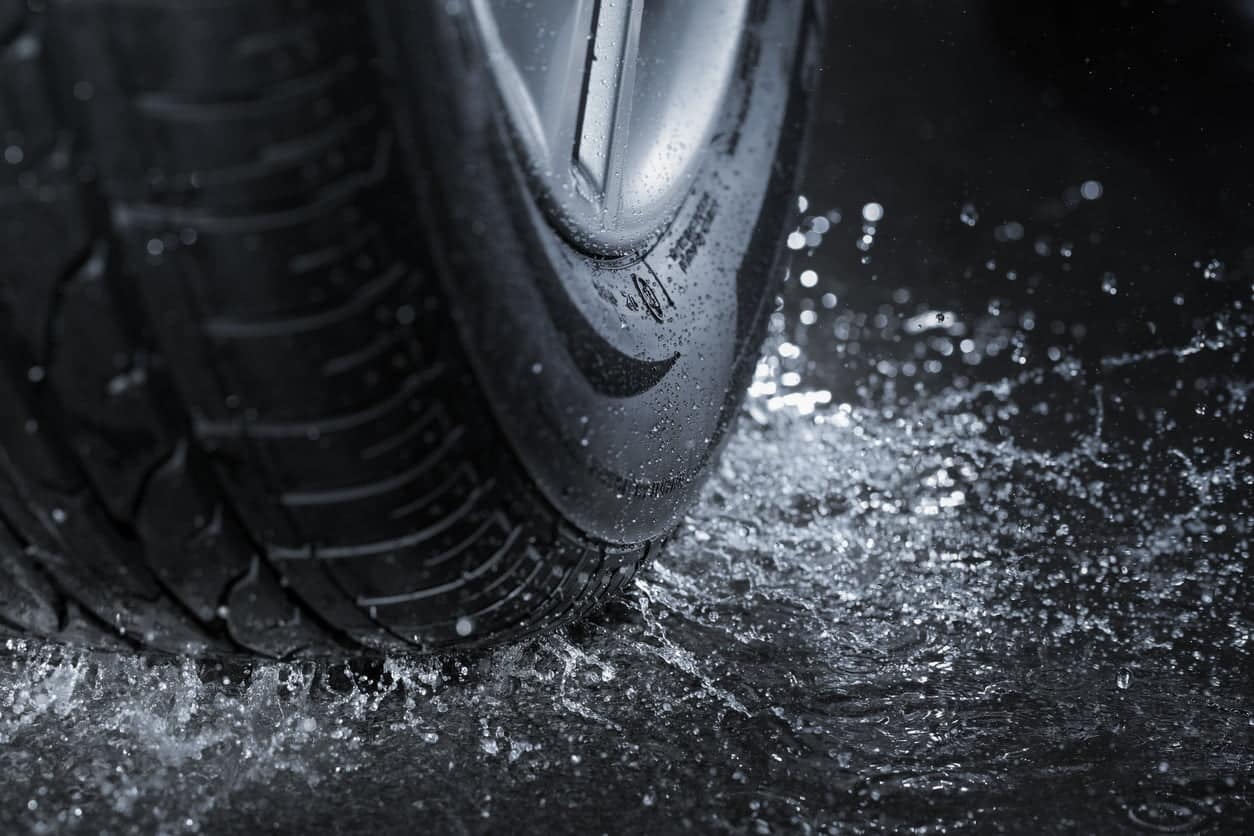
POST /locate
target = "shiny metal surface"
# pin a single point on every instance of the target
(613, 103)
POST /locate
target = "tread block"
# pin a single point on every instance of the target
(417, 499)
(28, 126)
(181, 528)
(12, 16)
(203, 557)
(27, 599)
(102, 382)
(223, 49)
(263, 617)
(306, 265)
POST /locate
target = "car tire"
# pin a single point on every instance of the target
(291, 364)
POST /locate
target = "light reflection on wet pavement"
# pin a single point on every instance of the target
(977, 557)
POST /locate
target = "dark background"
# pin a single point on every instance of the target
(1011, 106)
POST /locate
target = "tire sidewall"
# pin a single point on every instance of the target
(614, 380)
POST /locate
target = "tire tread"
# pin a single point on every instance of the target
(237, 419)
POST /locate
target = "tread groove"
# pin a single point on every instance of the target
(262, 429)
(353, 493)
(221, 328)
(381, 547)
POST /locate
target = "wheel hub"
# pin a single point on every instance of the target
(613, 104)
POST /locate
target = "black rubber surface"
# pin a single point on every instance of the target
(615, 380)
(234, 413)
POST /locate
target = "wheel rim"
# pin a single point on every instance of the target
(612, 103)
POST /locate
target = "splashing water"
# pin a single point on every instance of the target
(957, 576)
